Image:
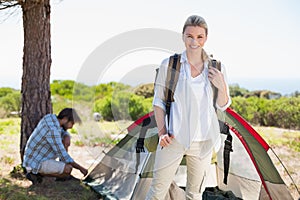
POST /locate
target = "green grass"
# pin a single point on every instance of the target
(73, 131)
(7, 160)
(58, 190)
(10, 126)
(5, 144)
(93, 133)
(79, 143)
(105, 141)
(114, 127)
(10, 189)
(280, 137)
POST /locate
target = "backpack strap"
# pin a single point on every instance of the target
(224, 128)
(171, 81)
(216, 64)
(170, 84)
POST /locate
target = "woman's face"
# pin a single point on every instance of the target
(194, 38)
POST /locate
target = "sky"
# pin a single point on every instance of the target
(258, 41)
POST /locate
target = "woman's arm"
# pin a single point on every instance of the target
(160, 120)
(219, 80)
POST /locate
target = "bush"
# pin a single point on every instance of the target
(71, 90)
(123, 106)
(103, 106)
(236, 91)
(9, 103)
(146, 90)
(246, 107)
(103, 90)
(62, 88)
(3, 114)
(59, 103)
(139, 106)
(286, 113)
(283, 112)
(263, 94)
(5, 91)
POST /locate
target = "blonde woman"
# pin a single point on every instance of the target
(193, 129)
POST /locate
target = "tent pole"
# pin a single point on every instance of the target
(285, 169)
(139, 174)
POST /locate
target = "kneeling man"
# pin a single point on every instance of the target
(45, 145)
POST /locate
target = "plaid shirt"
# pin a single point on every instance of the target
(45, 143)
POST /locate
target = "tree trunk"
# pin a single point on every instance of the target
(35, 90)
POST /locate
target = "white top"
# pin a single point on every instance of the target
(192, 115)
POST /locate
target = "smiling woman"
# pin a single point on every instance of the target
(191, 126)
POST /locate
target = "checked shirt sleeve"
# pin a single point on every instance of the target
(54, 138)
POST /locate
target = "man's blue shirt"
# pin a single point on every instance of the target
(45, 143)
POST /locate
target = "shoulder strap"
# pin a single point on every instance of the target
(172, 77)
(170, 84)
(224, 128)
(216, 64)
(171, 81)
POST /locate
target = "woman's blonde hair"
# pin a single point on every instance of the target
(195, 20)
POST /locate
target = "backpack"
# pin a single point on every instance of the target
(214, 193)
(171, 81)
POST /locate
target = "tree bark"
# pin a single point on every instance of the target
(35, 90)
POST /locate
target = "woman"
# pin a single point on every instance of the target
(193, 129)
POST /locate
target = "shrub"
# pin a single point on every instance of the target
(123, 106)
(5, 91)
(71, 90)
(59, 103)
(9, 103)
(146, 90)
(283, 112)
(236, 91)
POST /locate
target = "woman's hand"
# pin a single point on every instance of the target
(216, 78)
(165, 140)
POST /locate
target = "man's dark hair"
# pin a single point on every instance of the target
(70, 114)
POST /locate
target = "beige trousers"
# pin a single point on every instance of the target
(168, 159)
(52, 167)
